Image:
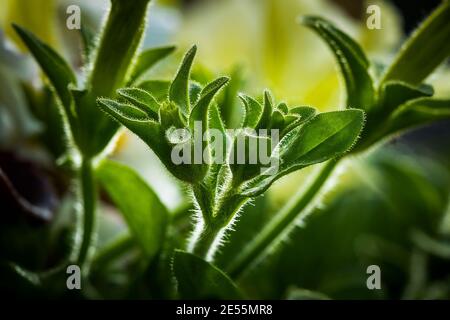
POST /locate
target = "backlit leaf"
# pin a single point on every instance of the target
(144, 213)
(178, 91)
(351, 60)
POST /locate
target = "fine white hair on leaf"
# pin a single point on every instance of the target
(198, 224)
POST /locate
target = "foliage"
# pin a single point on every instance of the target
(185, 118)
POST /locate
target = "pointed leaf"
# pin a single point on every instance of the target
(351, 60)
(198, 279)
(200, 110)
(127, 111)
(245, 156)
(218, 151)
(424, 50)
(328, 135)
(253, 111)
(178, 91)
(267, 111)
(142, 100)
(228, 103)
(54, 66)
(144, 213)
(194, 92)
(147, 59)
(215, 122)
(136, 121)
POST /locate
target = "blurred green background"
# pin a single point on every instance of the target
(389, 207)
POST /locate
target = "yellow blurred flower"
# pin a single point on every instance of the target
(277, 52)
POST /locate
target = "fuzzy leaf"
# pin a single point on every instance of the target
(148, 59)
(136, 121)
(267, 111)
(151, 132)
(123, 110)
(200, 110)
(142, 100)
(194, 92)
(253, 111)
(218, 152)
(178, 91)
(245, 156)
(425, 49)
(144, 213)
(215, 122)
(327, 135)
(197, 279)
(54, 66)
(351, 60)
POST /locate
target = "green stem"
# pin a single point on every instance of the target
(258, 247)
(201, 244)
(88, 227)
(424, 50)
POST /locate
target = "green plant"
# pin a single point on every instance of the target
(395, 102)
(184, 124)
(221, 188)
(109, 63)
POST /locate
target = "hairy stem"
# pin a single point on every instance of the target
(259, 246)
(88, 226)
(202, 243)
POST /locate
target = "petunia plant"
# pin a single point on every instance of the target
(111, 61)
(223, 167)
(186, 120)
(393, 102)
